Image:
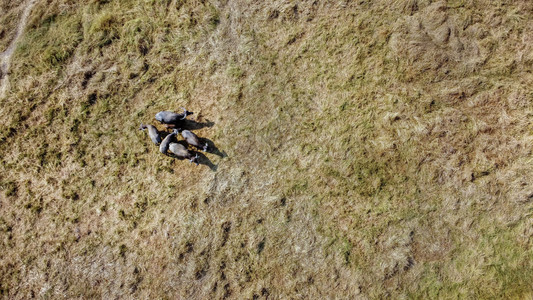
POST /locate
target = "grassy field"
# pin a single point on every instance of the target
(363, 149)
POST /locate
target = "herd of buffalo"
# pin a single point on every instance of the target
(173, 120)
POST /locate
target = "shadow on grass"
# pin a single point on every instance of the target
(190, 124)
(204, 160)
(212, 148)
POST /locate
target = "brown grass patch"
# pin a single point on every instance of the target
(365, 150)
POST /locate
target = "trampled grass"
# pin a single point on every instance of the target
(364, 150)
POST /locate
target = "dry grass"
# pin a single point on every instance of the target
(366, 150)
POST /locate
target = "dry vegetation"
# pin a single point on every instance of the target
(371, 149)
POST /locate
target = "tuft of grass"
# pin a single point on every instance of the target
(103, 29)
(10, 188)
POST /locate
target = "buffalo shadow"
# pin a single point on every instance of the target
(190, 124)
(204, 160)
(212, 148)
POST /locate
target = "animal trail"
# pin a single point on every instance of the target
(5, 57)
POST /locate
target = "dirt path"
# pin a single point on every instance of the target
(5, 57)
